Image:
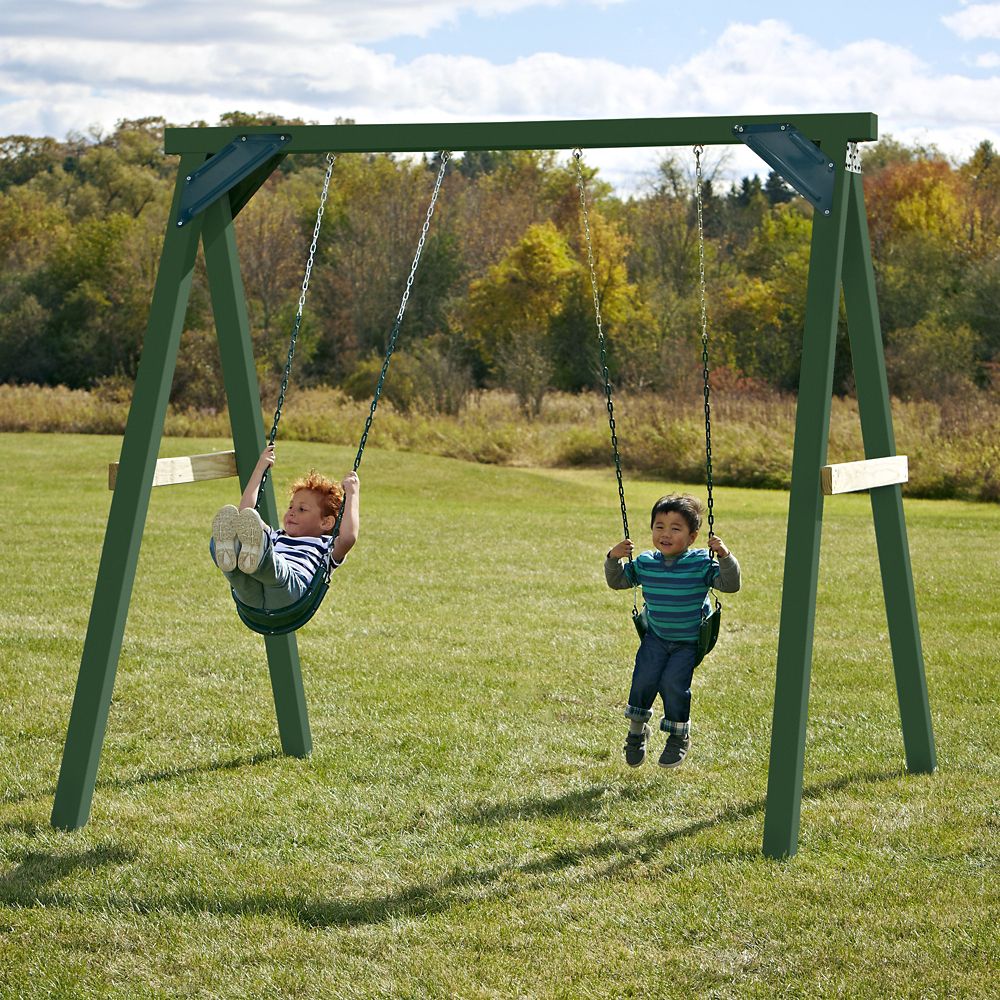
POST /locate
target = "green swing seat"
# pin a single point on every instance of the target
(708, 633)
(281, 621)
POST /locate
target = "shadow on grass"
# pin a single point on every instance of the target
(576, 805)
(24, 885)
(165, 774)
(463, 887)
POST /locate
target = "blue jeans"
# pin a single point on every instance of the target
(663, 668)
(271, 585)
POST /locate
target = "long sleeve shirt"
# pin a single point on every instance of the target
(675, 587)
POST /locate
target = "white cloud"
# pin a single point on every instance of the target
(293, 22)
(978, 20)
(50, 84)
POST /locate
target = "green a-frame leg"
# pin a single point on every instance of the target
(130, 500)
(840, 257)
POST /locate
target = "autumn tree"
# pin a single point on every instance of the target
(512, 308)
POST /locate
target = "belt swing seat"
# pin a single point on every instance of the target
(708, 632)
(279, 621)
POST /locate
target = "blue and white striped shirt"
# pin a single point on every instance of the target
(303, 555)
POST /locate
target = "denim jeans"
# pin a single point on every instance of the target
(663, 668)
(271, 585)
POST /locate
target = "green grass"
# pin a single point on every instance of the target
(465, 826)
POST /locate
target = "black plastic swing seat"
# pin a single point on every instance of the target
(281, 621)
(708, 633)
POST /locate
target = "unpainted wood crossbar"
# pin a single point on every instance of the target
(190, 469)
(851, 477)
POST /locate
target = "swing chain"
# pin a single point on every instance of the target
(698, 150)
(445, 157)
(581, 184)
(330, 160)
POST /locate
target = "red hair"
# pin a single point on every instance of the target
(331, 494)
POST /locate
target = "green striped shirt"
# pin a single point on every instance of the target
(674, 591)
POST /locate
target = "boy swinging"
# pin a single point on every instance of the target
(675, 580)
(272, 569)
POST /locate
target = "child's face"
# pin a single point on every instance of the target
(305, 515)
(671, 534)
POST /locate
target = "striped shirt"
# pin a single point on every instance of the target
(303, 555)
(674, 590)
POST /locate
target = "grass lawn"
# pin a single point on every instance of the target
(465, 826)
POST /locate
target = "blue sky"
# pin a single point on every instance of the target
(930, 69)
(651, 33)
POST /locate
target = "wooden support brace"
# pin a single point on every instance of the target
(850, 477)
(192, 469)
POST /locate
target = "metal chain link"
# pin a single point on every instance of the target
(581, 184)
(698, 150)
(330, 160)
(445, 156)
(602, 341)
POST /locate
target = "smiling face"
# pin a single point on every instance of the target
(305, 515)
(671, 533)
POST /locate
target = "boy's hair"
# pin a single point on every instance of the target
(689, 507)
(331, 494)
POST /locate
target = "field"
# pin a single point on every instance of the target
(465, 826)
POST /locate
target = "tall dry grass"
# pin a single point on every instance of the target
(953, 446)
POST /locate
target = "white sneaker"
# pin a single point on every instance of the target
(251, 531)
(224, 537)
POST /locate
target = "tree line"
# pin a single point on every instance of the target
(503, 296)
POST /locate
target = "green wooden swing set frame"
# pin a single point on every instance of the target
(221, 168)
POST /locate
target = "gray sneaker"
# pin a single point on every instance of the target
(251, 532)
(675, 751)
(635, 747)
(224, 537)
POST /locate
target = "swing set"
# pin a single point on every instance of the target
(221, 168)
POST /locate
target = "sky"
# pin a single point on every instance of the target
(930, 69)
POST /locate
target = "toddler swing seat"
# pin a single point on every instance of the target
(708, 633)
(711, 618)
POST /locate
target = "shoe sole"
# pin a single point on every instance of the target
(224, 537)
(250, 532)
(676, 763)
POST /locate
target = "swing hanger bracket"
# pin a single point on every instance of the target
(223, 171)
(795, 159)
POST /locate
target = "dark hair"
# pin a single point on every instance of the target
(689, 507)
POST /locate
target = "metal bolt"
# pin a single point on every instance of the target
(188, 177)
(783, 127)
(243, 138)
(826, 211)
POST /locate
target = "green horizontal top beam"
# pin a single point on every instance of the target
(587, 134)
